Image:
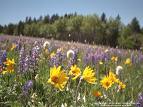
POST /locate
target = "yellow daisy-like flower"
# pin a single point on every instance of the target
(128, 61)
(9, 65)
(88, 75)
(75, 71)
(121, 85)
(114, 58)
(112, 77)
(106, 82)
(58, 78)
(96, 93)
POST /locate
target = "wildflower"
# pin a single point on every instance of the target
(58, 78)
(75, 71)
(70, 53)
(139, 102)
(96, 93)
(52, 54)
(13, 46)
(106, 50)
(88, 75)
(119, 69)
(10, 65)
(4, 72)
(128, 61)
(114, 58)
(121, 85)
(4, 56)
(46, 43)
(106, 82)
(27, 86)
(112, 77)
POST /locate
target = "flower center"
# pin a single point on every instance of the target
(107, 84)
(55, 79)
(74, 72)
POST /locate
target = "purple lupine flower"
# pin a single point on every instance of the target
(34, 55)
(54, 61)
(86, 59)
(21, 59)
(27, 86)
(2, 59)
(4, 56)
(140, 57)
(26, 63)
(139, 102)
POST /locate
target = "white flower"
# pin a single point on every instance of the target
(106, 50)
(62, 105)
(46, 43)
(70, 53)
(119, 69)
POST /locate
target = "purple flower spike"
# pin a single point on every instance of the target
(27, 86)
(140, 100)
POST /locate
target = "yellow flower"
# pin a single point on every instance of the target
(52, 54)
(114, 58)
(88, 75)
(75, 71)
(106, 82)
(4, 72)
(13, 46)
(58, 78)
(9, 65)
(128, 61)
(96, 93)
(121, 85)
(112, 77)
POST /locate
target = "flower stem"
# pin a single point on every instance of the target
(76, 94)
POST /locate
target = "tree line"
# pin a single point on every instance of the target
(92, 29)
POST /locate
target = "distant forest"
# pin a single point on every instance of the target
(92, 29)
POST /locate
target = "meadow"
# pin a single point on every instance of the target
(48, 73)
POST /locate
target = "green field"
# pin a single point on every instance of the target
(48, 73)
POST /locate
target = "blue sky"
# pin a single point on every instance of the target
(15, 10)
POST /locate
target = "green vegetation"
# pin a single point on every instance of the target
(90, 29)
